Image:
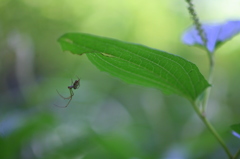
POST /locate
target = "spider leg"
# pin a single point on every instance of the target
(64, 97)
(70, 97)
(71, 93)
(65, 105)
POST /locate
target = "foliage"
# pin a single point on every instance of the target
(107, 118)
(153, 68)
(138, 64)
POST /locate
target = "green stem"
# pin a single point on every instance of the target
(210, 78)
(203, 37)
(237, 154)
(211, 129)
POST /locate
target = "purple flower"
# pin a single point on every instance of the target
(216, 34)
(236, 134)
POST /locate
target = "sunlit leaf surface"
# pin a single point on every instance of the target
(216, 34)
(138, 64)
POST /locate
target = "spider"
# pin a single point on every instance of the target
(75, 85)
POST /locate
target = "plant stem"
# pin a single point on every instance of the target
(203, 37)
(236, 155)
(210, 78)
(211, 129)
(206, 94)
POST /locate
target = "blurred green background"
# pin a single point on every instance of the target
(107, 118)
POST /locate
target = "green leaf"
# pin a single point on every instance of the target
(236, 128)
(138, 64)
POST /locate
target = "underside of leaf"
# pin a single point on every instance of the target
(138, 64)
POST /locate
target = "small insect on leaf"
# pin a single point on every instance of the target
(75, 85)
